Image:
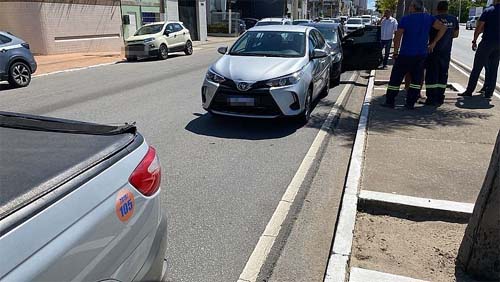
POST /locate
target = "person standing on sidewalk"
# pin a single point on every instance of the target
(414, 29)
(438, 62)
(488, 51)
(388, 26)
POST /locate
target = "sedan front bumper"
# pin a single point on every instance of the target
(141, 50)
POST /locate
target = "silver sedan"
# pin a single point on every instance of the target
(270, 71)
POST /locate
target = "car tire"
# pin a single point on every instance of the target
(335, 81)
(306, 114)
(131, 59)
(19, 74)
(188, 49)
(163, 52)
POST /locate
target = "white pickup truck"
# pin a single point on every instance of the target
(78, 202)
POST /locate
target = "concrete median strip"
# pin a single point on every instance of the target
(266, 241)
(338, 262)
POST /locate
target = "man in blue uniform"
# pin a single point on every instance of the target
(488, 51)
(414, 29)
(438, 62)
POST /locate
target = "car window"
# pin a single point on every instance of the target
(177, 27)
(329, 33)
(312, 43)
(369, 34)
(4, 39)
(170, 28)
(320, 41)
(354, 21)
(270, 44)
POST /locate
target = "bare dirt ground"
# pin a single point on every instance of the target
(417, 249)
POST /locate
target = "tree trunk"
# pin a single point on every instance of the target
(479, 253)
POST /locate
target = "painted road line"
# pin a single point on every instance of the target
(409, 201)
(267, 239)
(342, 243)
(468, 74)
(75, 69)
(365, 275)
(469, 69)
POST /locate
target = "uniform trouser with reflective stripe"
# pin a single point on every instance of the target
(403, 65)
(436, 76)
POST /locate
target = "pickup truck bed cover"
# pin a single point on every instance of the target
(38, 155)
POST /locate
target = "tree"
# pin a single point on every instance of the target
(466, 5)
(382, 5)
(479, 253)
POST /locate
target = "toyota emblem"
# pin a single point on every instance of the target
(243, 86)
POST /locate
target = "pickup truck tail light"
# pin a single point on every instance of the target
(147, 175)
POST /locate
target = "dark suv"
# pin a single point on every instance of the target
(16, 61)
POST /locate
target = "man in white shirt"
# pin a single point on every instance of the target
(389, 25)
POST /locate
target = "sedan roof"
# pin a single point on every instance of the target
(295, 28)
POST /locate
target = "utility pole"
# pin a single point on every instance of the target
(459, 9)
(295, 9)
(229, 9)
(162, 10)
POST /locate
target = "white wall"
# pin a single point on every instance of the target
(201, 13)
(172, 10)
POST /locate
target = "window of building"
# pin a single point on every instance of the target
(149, 17)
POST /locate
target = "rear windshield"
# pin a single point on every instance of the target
(268, 23)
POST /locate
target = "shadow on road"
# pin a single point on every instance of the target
(153, 59)
(474, 103)
(242, 128)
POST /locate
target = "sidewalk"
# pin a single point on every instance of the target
(60, 62)
(429, 154)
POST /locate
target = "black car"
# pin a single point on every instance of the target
(250, 22)
(360, 49)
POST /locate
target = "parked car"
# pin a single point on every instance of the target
(270, 71)
(80, 202)
(353, 24)
(332, 33)
(158, 40)
(367, 19)
(274, 21)
(277, 71)
(16, 60)
(250, 22)
(471, 23)
(301, 21)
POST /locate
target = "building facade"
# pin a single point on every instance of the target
(71, 26)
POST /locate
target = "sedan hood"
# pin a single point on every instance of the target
(250, 68)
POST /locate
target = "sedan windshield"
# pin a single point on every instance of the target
(149, 29)
(270, 44)
(329, 33)
(354, 21)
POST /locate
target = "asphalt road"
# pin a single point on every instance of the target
(223, 178)
(462, 48)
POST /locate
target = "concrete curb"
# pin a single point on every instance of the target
(468, 69)
(436, 209)
(338, 263)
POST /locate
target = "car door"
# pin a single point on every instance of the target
(169, 35)
(179, 36)
(4, 57)
(324, 63)
(362, 49)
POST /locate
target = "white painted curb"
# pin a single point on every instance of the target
(338, 263)
(266, 241)
(365, 275)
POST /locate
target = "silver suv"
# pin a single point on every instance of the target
(16, 61)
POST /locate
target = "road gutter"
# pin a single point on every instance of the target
(266, 241)
(338, 264)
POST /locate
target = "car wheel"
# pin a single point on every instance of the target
(306, 114)
(131, 59)
(188, 50)
(163, 52)
(335, 81)
(19, 74)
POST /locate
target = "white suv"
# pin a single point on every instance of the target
(471, 23)
(274, 21)
(158, 40)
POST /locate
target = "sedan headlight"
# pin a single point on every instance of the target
(147, 40)
(285, 80)
(214, 77)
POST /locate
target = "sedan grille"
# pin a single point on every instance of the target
(264, 104)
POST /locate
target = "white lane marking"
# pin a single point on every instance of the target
(267, 239)
(365, 275)
(75, 69)
(418, 202)
(342, 243)
(468, 74)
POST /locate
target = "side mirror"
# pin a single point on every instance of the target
(222, 50)
(349, 42)
(167, 33)
(318, 54)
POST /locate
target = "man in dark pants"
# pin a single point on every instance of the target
(438, 62)
(414, 29)
(488, 51)
(388, 25)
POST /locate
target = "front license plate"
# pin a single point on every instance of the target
(239, 101)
